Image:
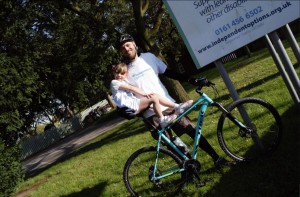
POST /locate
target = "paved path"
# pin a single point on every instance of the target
(43, 159)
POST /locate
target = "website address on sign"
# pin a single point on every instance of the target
(245, 27)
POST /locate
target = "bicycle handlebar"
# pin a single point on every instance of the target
(201, 82)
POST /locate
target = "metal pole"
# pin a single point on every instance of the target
(286, 62)
(293, 43)
(282, 72)
(235, 96)
(226, 79)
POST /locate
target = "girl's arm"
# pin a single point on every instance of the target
(133, 89)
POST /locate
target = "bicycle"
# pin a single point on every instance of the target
(248, 129)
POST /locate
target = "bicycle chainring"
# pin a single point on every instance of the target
(193, 168)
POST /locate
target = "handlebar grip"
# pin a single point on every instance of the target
(200, 82)
(210, 83)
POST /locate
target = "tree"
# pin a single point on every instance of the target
(41, 63)
(62, 50)
(10, 169)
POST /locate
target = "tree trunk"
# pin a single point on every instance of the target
(146, 38)
(110, 101)
(175, 89)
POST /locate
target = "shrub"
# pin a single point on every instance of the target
(10, 169)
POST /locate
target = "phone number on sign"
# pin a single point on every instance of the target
(237, 21)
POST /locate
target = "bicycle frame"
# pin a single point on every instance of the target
(204, 101)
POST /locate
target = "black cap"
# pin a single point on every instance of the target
(123, 38)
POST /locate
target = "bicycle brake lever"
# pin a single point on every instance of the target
(209, 83)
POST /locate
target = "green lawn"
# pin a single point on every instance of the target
(96, 169)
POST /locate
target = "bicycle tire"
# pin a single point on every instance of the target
(265, 121)
(137, 169)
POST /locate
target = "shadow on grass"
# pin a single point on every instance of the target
(250, 86)
(277, 175)
(211, 72)
(91, 192)
(120, 134)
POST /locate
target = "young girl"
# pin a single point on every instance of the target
(124, 96)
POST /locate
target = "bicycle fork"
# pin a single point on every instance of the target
(244, 129)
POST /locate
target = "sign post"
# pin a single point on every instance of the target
(281, 69)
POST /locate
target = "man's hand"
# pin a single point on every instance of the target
(148, 96)
(126, 112)
(202, 81)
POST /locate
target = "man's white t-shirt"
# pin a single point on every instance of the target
(143, 73)
(123, 98)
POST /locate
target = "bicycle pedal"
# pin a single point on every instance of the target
(158, 184)
(201, 183)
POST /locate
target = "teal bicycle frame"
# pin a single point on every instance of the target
(204, 101)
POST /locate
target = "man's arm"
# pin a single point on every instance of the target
(183, 77)
(177, 76)
(133, 89)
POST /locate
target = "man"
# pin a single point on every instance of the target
(143, 71)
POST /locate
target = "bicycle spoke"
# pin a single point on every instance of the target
(261, 139)
(139, 173)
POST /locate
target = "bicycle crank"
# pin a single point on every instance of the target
(193, 167)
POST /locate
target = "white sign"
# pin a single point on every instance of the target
(212, 29)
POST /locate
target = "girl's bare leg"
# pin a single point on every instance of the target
(165, 102)
(146, 102)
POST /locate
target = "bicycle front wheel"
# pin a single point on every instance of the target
(264, 135)
(138, 171)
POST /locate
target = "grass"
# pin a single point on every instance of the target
(96, 169)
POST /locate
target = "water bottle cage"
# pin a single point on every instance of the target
(180, 144)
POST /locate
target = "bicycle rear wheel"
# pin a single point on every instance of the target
(265, 123)
(139, 169)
